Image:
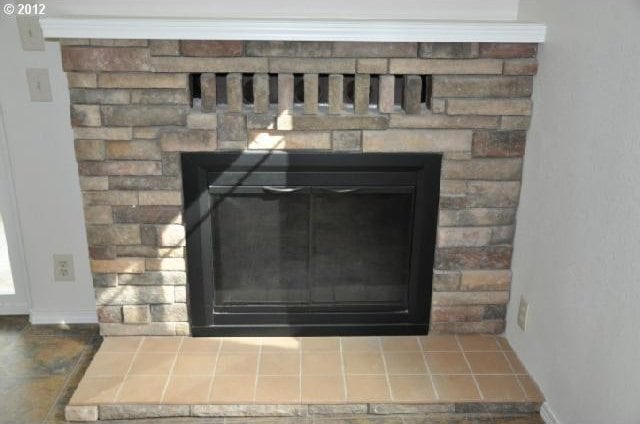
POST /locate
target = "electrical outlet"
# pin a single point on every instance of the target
(63, 268)
(30, 33)
(39, 86)
(523, 310)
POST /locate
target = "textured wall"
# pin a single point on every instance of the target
(578, 238)
(132, 117)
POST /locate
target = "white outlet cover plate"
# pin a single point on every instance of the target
(62, 263)
(523, 310)
(39, 85)
(30, 33)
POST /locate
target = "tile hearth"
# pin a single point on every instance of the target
(207, 376)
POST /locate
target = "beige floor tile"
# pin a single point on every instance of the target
(321, 363)
(367, 388)
(237, 363)
(94, 390)
(400, 343)
(187, 390)
(316, 344)
(159, 344)
(531, 390)
(447, 363)
(488, 363)
(278, 389)
(517, 366)
(478, 342)
(322, 389)
(142, 389)
(405, 363)
(241, 344)
(411, 388)
(454, 388)
(363, 362)
(500, 388)
(201, 345)
(152, 364)
(281, 344)
(195, 364)
(276, 363)
(110, 364)
(503, 343)
(233, 389)
(438, 343)
(360, 344)
(120, 344)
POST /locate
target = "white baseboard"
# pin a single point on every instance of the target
(14, 309)
(63, 317)
(548, 415)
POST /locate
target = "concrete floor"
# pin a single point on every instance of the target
(40, 367)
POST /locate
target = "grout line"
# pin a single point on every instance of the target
(173, 365)
(513, 369)
(215, 369)
(344, 374)
(426, 363)
(126, 374)
(255, 386)
(386, 371)
(469, 365)
(300, 369)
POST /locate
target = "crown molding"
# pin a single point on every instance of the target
(293, 29)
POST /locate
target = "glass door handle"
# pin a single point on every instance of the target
(340, 190)
(281, 190)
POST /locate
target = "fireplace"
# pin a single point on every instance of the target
(285, 243)
(138, 107)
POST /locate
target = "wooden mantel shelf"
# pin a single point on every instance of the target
(294, 29)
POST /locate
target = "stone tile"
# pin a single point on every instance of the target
(360, 344)
(160, 344)
(137, 411)
(517, 366)
(187, 390)
(321, 363)
(105, 59)
(233, 389)
(106, 364)
(411, 388)
(488, 363)
(416, 140)
(237, 363)
(400, 343)
(500, 388)
(206, 48)
(367, 388)
(142, 389)
(279, 363)
(447, 363)
(398, 363)
(96, 390)
(195, 364)
(241, 344)
(278, 389)
(315, 344)
(456, 388)
(322, 389)
(530, 388)
(120, 344)
(200, 345)
(152, 363)
(435, 343)
(481, 343)
(363, 362)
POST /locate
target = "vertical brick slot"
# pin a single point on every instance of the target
(221, 89)
(195, 88)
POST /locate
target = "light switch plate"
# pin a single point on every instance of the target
(63, 268)
(523, 310)
(39, 86)
(30, 33)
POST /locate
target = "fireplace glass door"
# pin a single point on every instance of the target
(309, 244)
(326, 248)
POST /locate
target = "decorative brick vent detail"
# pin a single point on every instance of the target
(136, 104)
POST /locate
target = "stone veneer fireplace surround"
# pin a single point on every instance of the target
(133, 114)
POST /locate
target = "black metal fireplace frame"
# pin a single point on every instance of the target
(422, 169)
